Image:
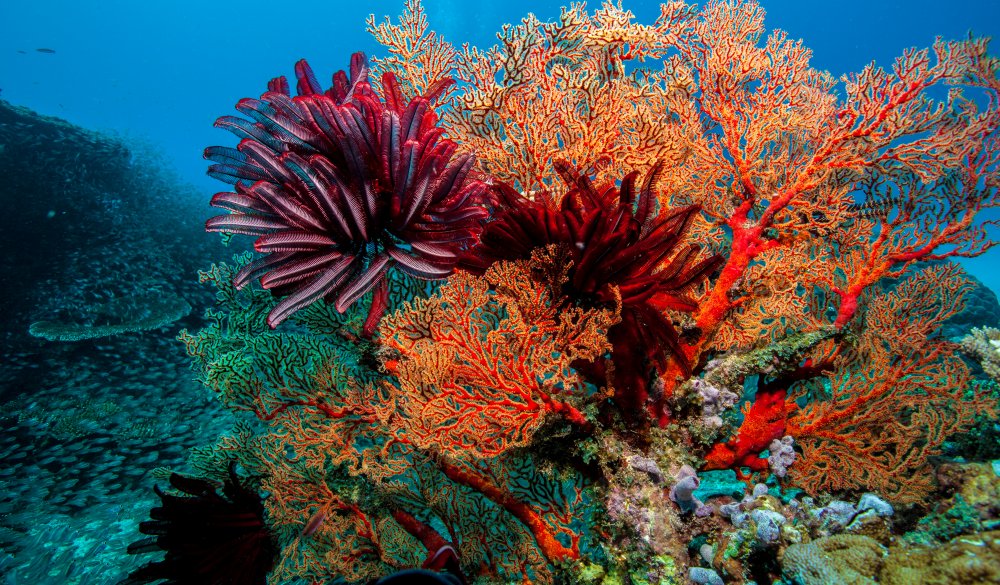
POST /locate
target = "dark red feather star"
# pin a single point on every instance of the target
(620, 246)
(338, 186)
(210, 538)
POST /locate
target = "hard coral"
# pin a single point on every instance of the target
(340, 185)
(983, 345)
(978, 484)
(622, 251)
(965, 560)
(844, 558)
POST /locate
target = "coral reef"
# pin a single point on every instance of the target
(103, 242)
(983, 345)
(627, 300)
(861, 560)
(843, 558)
(80, 241)
(969, 502)
(140, 312)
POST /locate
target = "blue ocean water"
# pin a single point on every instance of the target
(162, 73)
(167, 71)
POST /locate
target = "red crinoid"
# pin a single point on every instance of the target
(620, 246)
(340, 185)
(209, 537)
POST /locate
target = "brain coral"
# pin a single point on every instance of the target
(966, 560)
(844, 558)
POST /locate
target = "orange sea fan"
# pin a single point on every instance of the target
(479, 370)
(890, 402)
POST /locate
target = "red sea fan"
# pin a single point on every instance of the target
(339, 185)
(619, 245)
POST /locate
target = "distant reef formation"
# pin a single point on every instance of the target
(92, 222)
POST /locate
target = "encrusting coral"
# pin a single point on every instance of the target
(636, 229)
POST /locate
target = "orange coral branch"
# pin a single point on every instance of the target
(480, 370)
(430, 538)
(547, 542)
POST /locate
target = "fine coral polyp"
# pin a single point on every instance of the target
(611, 257)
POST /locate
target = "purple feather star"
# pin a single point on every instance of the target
(339, 186)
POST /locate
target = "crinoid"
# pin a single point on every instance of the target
(622, 250)
(340, 185)
(209, 538)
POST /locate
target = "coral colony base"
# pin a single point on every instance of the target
(513, 313)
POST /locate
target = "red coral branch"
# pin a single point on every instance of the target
(763, 422)
(544, 536)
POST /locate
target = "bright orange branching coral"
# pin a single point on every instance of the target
(479, 370)
(894, 398)
(774, 305)
(379, 453)
(814, 188)
(779, 159)
(547, 90)
(334, 536)
(351, 495)
(869, 414)
(415, 50)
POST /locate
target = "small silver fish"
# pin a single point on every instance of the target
(315, 522)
